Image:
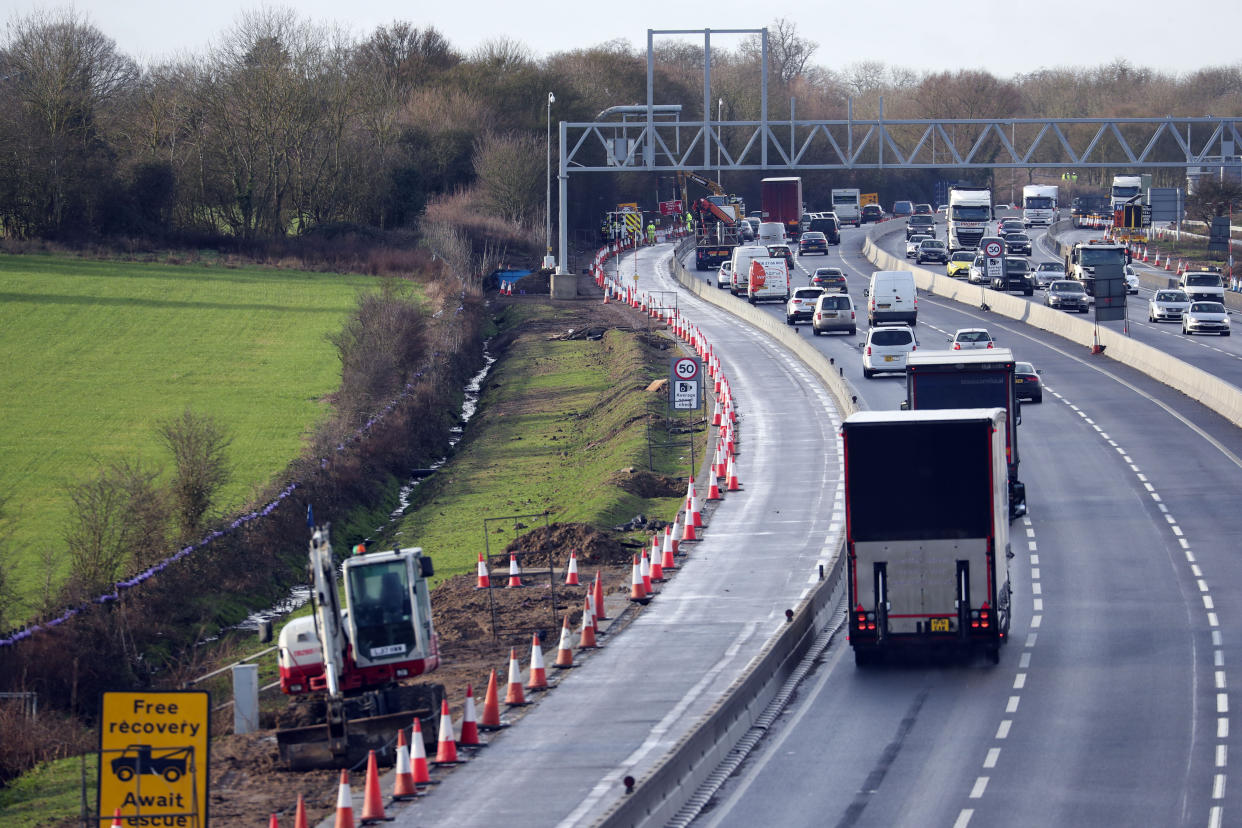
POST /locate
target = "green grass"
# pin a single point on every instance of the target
(50, 793)
(98, 354)
(572, 419)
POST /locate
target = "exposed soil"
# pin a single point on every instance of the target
(477, 627)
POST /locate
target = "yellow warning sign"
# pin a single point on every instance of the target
(153, 759)
(869, 198)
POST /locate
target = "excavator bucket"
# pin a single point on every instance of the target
(347, 732)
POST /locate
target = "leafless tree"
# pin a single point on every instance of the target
(511, 170)
(198, 444)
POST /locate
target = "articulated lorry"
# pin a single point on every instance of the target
(780, 199)
(970, 210)
(927, 532)
(1039, 204)
(847, 204)
(942, 379)
(1125, 188)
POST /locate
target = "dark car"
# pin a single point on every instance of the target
(1017, 276)
(903, 208)
(829, 226)
(1026, 383)
(924, 225)
(932, 250)
(812, 242)
(831, 279)
(1018, 243)
(782, 251)
(872, 212)
(1006, 226)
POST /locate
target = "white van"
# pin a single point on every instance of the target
(769, 281)
(771, 232)
(891, 298)
(739, 274)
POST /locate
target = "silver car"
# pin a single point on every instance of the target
(1167, 306)
(1206, 317)
(724, 276)
(834, 312)
(1066, 294)
(912, 245)
(1048, 272)
(978, 274)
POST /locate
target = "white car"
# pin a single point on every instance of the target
(724, 276)
(912, 246)
(969, 339)
(1167, 306)
(976, 275)
(1205, 317)
(887, 349)
(1132, 280)
(801, 304)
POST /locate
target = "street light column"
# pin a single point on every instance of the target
(549, 261)
(719, 138)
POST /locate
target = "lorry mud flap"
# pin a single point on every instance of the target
(881, 601)
(963, 600)
(1017, 499)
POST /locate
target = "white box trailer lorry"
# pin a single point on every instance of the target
(1125, 188)
(927, 532)
(1039, 204)
(970, 211)
(847, 204)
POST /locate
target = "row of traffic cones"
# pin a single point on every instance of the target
(484, 578)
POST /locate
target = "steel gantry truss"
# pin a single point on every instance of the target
(653, 138)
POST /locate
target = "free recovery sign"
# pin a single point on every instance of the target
(153, 761)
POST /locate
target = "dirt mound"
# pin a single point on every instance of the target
(646, 485)
(554, 542)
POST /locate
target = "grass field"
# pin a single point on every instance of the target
(98, 354)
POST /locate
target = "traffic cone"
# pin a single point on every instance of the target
(695, 516)
(677, 532)
(666, 559)
(1156, 263)
(403, 786)
(515, 697)
(587, 640)
(418, 757)
(690, 491)
(538, 675)
(446, 749)
(637, 593)
(116, 818)
(372, 799)
(732, 484)
(657, 569)
(1168, 262)
(687, 533)
(1144, 254)
(716, 414)
(606, 296)
(597, 597)
(485, 580)
(564, 652)
(469, 723)
(713, 491)
(644, 567)
(588, 606)
(515, 572)
(1181, 266)
(491, 706)
(655, 550)
(571, 574)
(271, 823)
(299, 814)
(344, 803)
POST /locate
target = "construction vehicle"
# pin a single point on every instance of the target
(927, 532)
(717, 221)
(1103, 257)
(344, 665)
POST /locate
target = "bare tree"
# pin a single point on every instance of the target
(198, 444)
(511, 170)
(1214, 197)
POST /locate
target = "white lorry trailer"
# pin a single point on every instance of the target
(1125, 188)
(927, 532)
(970, 210)
(1039, 204)
(847, 204)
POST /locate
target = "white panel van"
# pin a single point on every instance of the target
(768, 281)
(771, 232)
(891, 297)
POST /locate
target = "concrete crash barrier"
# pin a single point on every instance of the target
(1218, 395)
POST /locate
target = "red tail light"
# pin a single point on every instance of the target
(957, 346)
(868, 350)
(989, 344)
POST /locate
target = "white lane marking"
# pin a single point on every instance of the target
(981, 784)
(993, 755)
(963, 819)
(1012, 705)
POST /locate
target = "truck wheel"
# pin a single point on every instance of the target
(994, 654)
(863, 658)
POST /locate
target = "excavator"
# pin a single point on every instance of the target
(345, 666)
(717, 220)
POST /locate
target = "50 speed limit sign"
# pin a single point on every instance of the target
(685, 387)
(685, 368)
(992, 249)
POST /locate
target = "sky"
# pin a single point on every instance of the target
(1005, 38)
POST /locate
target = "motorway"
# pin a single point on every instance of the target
(1110, 705)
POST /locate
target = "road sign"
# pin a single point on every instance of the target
(671, 208)
(153, 758)
(685, 395)
(684, 368)
(992, 249)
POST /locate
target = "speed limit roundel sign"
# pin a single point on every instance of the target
(685, 368)
(992, 249)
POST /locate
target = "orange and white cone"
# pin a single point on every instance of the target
(571, 574)
(713, 491)
(418, 755)
(688, 533)
(344, 803)
(273, 822)
(677, 533)
(597, 597)
(637, 593)
(691, 492)
(587, 641)
(485, 580)
(469, 723)
(695, 517)
(732, 485)
(538, 674)
(655, 554)
(716, 414)
(446, 748)
(116, 818)
(516, 697)
(564, 651)
(403, 786)
(644, 564)
(491, 706)
(515, 572)
(657, 569)
(299, 814)
(666, 558)
(372, 799)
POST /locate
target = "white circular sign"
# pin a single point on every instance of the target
(992, 249)
(686, 368)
